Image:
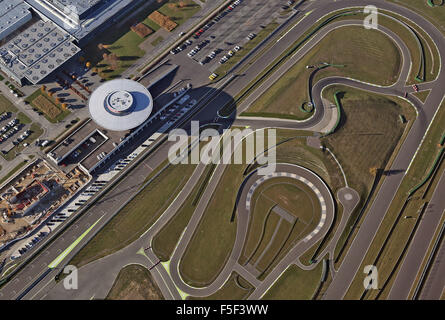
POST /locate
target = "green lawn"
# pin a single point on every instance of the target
(166, 240)
(295, 284)
(418, 170)
(134, 282)
(62, 115)
(341, 46)
(422, 95)
(157, 41)
(121, 41)
(137, 216)
(294, 197)
(180, 15)
(236, 288)
(125, 43)
(435, 14)
(215, 234)
(6, 105)
(370, 124)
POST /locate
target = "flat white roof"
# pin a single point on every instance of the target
(112, 108)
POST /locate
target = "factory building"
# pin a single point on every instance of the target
(39, 36)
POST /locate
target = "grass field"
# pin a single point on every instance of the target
(422, 95)
(52, 111)
(215, 234)
(236, 288)
(431, 55)
(125, 43)
(370, 124)
(180, 15)
(342, 47)
(403, 227)
(434, 14)
(294, 197)
(357, 137)
(295, 284)
(134, 282)
(157, 41)
(165, 241)
(6, 105)
(137, 216)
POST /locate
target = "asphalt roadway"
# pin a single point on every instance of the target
(418, 250)
(362, 241)
(371, 223)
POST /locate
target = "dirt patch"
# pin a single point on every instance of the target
(141, 30)
(134, 282)
(163, 21)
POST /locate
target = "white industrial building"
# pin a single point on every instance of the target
(120, 105)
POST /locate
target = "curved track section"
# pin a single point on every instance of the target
(253, 181)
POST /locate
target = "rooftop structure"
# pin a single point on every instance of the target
(13, 15)
(120, 105)
(73, 8)
(36, 52)
(79, 17)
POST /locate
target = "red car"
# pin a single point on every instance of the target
(415, 87)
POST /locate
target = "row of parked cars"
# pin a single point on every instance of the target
(11, 128)
(202, 30)
(229, 54)
(216, 19)
(181, 47)
(198, 48)
(30, 244)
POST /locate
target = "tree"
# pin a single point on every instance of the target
(113, 58)
(43, 88)
(88, 65)
(100, 46)
(373, 171)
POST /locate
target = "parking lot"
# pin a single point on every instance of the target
(12, 132)
(228, 32)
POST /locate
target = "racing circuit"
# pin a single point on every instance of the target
(38, 285)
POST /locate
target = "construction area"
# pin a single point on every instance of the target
(33, 195)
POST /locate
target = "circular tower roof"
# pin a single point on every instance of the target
(120, 105)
